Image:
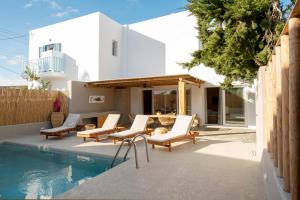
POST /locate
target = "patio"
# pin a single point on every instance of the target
(221, 165)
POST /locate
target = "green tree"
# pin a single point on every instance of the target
(44, 85)
(237, 35)
(30, 75)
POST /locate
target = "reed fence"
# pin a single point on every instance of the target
(19, 106)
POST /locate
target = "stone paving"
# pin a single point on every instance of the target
(221, 165)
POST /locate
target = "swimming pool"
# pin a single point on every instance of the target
(36, 172)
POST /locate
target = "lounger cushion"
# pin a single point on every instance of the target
(70, 123)
(93, 131)
(139, 123)
(182, 124)
(123, 134)
(181, 127)
(111, 121)
(165, 137)
(72, 120)
(57, 129)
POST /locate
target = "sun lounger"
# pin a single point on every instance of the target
(69, 125)
(138, 126)
(180, 131)
(109, 126)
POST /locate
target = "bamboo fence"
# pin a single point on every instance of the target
(19, 106)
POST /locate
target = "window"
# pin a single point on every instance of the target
(114, 48)
(49, 47)
(234, 106)
(165, 101)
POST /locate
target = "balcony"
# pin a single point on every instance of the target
(50, 65)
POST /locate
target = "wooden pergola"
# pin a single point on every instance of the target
(146, 82)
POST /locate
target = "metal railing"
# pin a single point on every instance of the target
(54, 63)
(131, 141)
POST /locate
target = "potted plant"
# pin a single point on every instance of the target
(57, 117)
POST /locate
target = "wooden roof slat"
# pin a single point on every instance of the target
(145, 81)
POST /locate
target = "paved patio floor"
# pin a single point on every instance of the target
(221, 165)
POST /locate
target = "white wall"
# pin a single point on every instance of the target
(110, 66)
(178, 32)
(144, 55)
(79, 38)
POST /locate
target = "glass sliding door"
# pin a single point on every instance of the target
(165, 101)
(234, 107)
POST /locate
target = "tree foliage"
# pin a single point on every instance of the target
(30, 75)
(237, 35)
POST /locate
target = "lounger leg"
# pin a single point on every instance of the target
(114, 140)
(153, 146)
(97, 139)
(170, 146)
(194, 139)
(84, 139)
(46, 137)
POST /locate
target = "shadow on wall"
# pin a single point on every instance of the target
(146, 52)
(85, 76)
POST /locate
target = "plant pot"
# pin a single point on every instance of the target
(57, 119)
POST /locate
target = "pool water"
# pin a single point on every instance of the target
(33, 172)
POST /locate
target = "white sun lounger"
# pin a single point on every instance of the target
(138, 126)
(180, 131)
(109, 126)
(69, 125)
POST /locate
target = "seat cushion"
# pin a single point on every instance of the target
(165, 137)
(93, 131)
(57, 129)
(123, 134)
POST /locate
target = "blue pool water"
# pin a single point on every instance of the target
(32, 172)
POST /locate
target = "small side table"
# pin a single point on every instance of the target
(89, 126)
(160, 130)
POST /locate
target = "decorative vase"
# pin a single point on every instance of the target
(57, 119)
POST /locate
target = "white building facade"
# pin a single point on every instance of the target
(94, 47)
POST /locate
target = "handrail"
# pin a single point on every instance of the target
(131, 141)
(146, 146)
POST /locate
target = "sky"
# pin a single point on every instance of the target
(18, 17)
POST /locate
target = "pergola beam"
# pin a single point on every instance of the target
(181, 97)
(146, 81)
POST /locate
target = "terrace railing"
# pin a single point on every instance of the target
(52, 65)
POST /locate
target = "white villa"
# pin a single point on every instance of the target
(135, 67)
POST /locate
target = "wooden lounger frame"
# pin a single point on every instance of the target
(168, 143)
(96, 135)
(115, 139)
(58, 133)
